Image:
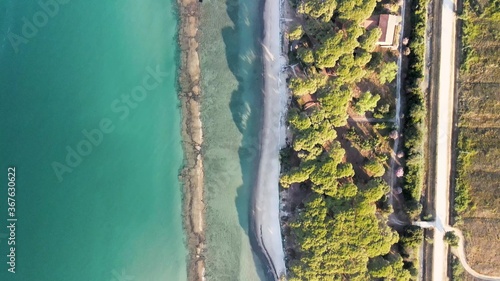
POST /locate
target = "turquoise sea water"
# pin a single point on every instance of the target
(231, 114)
(117, 215)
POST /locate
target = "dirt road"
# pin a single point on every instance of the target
(266, 207)
(444, 134)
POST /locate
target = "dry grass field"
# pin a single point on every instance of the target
(478, 184)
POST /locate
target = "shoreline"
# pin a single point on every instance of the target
(266, 200)
(192, 135)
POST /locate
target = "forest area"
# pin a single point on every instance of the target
(337, 167)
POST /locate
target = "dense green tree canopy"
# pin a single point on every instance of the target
(299, 120)
(350, 68)
(296, 175)
(374, 189)
(337, 243)
(339, 233)
(367, 102)
(451, 238)
(334, 106)
(306, 55)
(303, 86)
(388, 72)
(296, 32)
(389, 269)
(369, 39)
(330, 51)
(327, 173)
(318, 30)
(375, 168)
(311, 137)
(412, 237)
(355, 11)
(318, 9)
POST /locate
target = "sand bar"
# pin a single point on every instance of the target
(192, 175)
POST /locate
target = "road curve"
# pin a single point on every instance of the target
(457, 251)
(460, 253)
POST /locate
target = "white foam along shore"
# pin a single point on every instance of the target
(266, 203)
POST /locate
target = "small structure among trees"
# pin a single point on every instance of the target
(394, 135)
(400, 172)
(389, 25)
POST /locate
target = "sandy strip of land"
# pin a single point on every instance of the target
(192, 175)
(266, 207)
(443, 146)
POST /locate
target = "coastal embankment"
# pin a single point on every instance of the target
(192, 175)
(266, 201)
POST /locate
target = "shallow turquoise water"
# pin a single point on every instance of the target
(117, 215)
(231, 114)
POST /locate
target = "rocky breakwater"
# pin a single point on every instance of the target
(192, 175)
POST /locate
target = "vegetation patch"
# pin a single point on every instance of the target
(477, 201)
(416, 112)
(337, 162)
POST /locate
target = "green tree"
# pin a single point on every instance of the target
(298, 120)
(334, 105)
(347, 190)
(412, 237)
(335, 45)
(362, 59)
(355, 11)
(318, 9)
(451, 238)
(367, 102)
(374, 190)
(348, 67)
(330, 51)
(382, 111)
(369, 39)
(303, 86)
(337, 238)
(306, 55)
(311, 154)
(318, 30)
(389, 269)
(309, 138)
(296, 175)
(327, 173)
(374, 168)
(388, 72)
(295, 32)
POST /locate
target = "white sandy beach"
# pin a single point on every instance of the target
(266, 194)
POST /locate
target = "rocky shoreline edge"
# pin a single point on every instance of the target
(192, 174)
